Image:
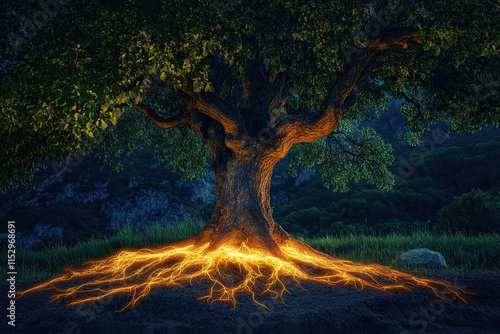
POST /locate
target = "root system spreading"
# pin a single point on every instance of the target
(231, 271)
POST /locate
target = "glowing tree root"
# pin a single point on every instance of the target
(231, 272)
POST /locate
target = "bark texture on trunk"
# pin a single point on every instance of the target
(243, 212)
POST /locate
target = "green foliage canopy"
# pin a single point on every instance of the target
(78, 77)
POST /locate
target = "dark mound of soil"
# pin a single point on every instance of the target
(320, 309)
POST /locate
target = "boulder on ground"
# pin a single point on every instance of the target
(422, 257)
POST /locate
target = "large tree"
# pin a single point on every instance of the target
(249, 82)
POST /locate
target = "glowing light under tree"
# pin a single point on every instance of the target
(231, 271)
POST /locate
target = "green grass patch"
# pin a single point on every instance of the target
(37, 264)
(465, 255)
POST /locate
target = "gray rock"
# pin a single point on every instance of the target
(71, 193)
(32, 196)
(140, 208)
(201, 191)
(41, 233)
(422, 257)
(303, 177)
(279, 179)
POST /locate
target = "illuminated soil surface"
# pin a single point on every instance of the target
(320, 309)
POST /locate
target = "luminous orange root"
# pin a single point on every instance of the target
(232, 271)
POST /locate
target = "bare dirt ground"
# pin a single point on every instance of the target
(320, 309)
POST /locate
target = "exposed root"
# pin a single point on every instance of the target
(231, 272)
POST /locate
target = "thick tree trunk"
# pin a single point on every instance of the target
(243, 212)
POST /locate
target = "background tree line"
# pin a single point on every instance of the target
(456, 188)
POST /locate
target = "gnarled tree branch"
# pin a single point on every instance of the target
(214, 107)
(308, 125)
(161, 122)
(208, 104)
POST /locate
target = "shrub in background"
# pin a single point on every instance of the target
(476, 211)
